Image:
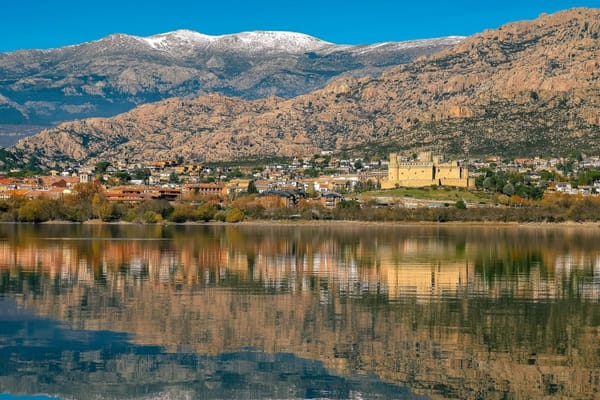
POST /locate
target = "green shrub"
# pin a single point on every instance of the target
(460, 204)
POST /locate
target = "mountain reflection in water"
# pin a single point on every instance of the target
(299, 312)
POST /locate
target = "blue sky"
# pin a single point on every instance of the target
(53, 23)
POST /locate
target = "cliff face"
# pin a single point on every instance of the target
(526, 88)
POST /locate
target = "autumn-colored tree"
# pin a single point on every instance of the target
(79, 205)
(151, 217)
(183, 213)
(206, 212)
(38, 210)
(101, 208)
(234, 215)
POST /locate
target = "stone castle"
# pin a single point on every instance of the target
(427, 170)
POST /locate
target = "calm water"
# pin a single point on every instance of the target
(358, 312)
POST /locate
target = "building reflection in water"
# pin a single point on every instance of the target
(461, 312)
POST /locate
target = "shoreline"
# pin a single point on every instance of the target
(334, 223)
(487, 224)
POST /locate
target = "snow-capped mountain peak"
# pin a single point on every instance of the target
(185, 43)
(107, 76)
(276, 40)
(181, 40)
(178, 38)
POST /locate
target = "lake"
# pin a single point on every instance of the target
(336, 311)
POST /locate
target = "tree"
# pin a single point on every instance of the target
(487, 183)
(101, 208)
(79, 205)
(312, 172)
(151, 217)
(234, 215)
(35, 210)
(358, 165)
(460, 204)
(122, 176)
(252, 187)
(236, 174)
(206, 212)
(102, 166)
(173, 178)
(141, 173)
(161, 207)
(183, 213)
(508, 189)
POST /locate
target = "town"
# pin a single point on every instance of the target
(322, 181)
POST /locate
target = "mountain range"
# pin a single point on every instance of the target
(527, 88)
(117, 73)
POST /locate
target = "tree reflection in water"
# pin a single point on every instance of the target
(453, 311)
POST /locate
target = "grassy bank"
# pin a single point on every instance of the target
(446, 194)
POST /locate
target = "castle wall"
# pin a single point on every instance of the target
(425, 172)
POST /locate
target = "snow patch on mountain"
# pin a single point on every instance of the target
(289, 42)
(165, 41)
(396, 46)
(185, 41)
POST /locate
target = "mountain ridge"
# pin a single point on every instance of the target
(118, 72)
(527, 88)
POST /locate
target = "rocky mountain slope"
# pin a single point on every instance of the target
(119, 72)
(528, 88)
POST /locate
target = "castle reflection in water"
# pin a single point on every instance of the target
(423, 266)
(451, 311)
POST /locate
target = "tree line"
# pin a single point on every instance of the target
(88, 202)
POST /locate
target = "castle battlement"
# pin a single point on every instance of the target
(414, 164)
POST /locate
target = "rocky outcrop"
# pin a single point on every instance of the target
(528, 88)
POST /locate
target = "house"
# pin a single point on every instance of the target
(207, 189)
(85, 177)
(280, 198)
(563, 187)
(235, 186)
(166, 193)
(126, 194)
(11, 193)
(138, 194)
(331, 199)
(262, 185)
(345, 182)
(154, 180)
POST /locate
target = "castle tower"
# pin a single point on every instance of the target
(426, 156)
(393, 168)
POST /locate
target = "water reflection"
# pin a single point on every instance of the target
(103, 364)
(458, 312)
